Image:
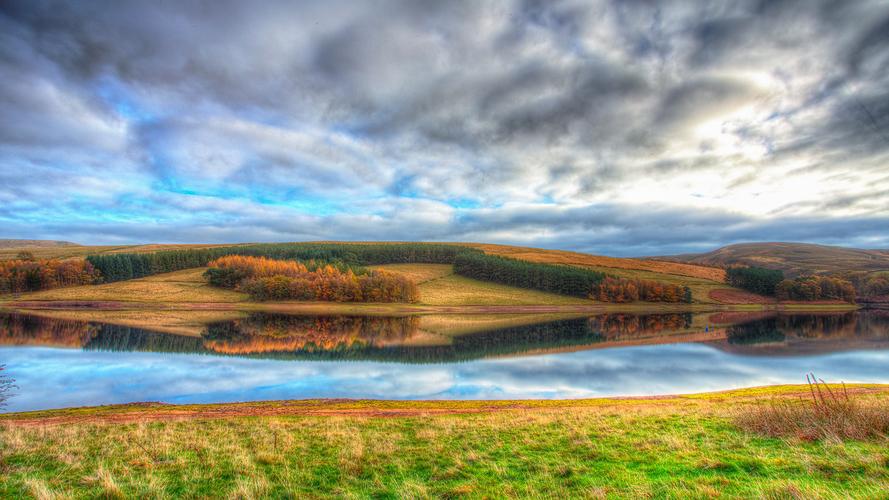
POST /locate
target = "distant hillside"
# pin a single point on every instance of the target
(793, 258)
(35, 243)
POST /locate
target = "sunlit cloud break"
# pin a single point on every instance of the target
(625, 128)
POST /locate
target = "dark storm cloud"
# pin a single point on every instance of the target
(625, 127)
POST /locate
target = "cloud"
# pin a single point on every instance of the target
(601, 126)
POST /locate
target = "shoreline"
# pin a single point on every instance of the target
(388, 408)
(403, 308)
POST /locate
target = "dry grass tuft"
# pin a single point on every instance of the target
(39, 489)
(105, 480)
(827, 414)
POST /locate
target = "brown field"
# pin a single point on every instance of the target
(736, 296)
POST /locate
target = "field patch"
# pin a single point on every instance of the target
(674, 447)
(736, 296)
(180, 286)
(441, 287)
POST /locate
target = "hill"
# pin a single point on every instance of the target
(12, 243)
(794, 259)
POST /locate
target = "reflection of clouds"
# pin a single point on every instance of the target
(59, 377)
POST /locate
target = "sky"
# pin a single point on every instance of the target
(622, 128)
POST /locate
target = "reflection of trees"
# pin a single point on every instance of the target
(818, 325)
(850, 325)
(280, 336)
(511, 340)
(129, 339)
(379, 338)
(263, 332)
(620, 325)
(755, 332)
(26, 329)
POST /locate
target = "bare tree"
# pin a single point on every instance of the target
(6, 386)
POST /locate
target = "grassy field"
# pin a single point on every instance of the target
(439, 286)
(180, 286)
(674, 447)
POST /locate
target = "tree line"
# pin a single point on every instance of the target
(815, 288)
(125, 266)
(754, 279)
(271, 279)
(771, 282)
(17, 276)
(616, 289)
(566, 280)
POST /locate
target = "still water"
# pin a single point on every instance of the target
(59, 363)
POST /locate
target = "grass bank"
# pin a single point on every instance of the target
(685, 446)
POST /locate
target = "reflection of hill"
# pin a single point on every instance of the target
(803, 334)
(395, 338)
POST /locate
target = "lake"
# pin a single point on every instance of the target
(61, 363)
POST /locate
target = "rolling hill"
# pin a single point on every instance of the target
(13, 243)
(794, 259)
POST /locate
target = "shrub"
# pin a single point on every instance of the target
(829, 413)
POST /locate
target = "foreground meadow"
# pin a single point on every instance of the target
(687, 446)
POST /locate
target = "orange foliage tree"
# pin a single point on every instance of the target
(30, 275)
(272, 279)
(614, 289)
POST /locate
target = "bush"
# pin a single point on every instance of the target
(830, 413)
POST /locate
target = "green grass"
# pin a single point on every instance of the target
(676, 448)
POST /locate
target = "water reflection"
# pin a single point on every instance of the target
(63, 363)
